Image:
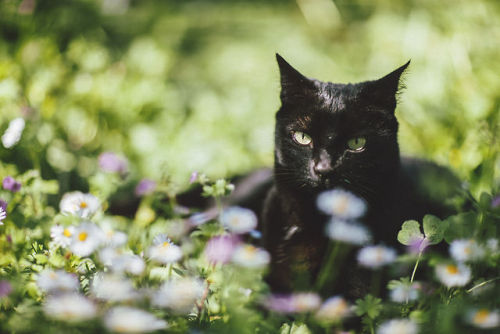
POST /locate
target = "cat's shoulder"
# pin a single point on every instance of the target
(429, 182)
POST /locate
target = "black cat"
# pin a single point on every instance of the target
(338, 136)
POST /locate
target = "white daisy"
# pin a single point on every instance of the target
(341, 203)
(69, 307)
(86, 239)
(238, 220)
(403, 293)
(348, 232)
(179, 295)
(492, 245)
(483, 318)
(112, 237)
(79, 204)
(164, 250)
(113, 288)
(453, 275)
(333, 309)
(250, 256)
(3, 215)
(464, 250)
(376, 256)
(398, 326)
(305, 302)
(129, 263)
(50, 281)
(131, 320)
(62, 235)
(13, 133)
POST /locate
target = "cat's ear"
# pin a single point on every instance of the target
(384, 90)
(292, 81)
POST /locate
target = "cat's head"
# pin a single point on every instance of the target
(336, 135)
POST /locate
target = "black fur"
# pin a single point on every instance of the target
(293, 229)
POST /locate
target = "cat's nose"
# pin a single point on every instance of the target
(322, 167)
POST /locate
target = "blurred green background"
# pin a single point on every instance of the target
(179, 86)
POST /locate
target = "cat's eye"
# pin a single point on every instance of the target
(301, 138)
(356, 144)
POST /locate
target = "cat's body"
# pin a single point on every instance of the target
(336, 136)
(328, 118)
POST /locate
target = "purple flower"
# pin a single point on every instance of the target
(3, 205)
(9, 183)
(145, 187)
(5, 288)
(280, 303)
(193, 178)
(110, 162)
(220, 249)
(495, 203)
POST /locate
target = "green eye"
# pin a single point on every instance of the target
(356, 144)
(301, 138)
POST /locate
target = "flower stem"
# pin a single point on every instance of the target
(326, 272)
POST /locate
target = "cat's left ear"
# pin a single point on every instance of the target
(384, 90)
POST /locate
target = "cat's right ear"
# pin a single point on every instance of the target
(293, 83)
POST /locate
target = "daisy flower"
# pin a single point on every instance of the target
(164, 250)
(303, 302)
(453, 275)
(238, 220)
(280, 303)
(86, 239)
(464, 250)
(69, 307)
(51, 281)
(341, 204)
(79, 204)
(111, 237)
(403, 293)
(333, 309)
(220, 248)
(124, 319)
(376, 256)
(13, 133)
(483, 318)
(129, 263)
(250, 256)
(113, 288)
(3, 215)
(179, 295)
(398, 326)
(348, 232)
(61, 235)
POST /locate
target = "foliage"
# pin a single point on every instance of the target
(175, 87)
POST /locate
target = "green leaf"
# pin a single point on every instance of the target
(410, 232)
(434, 229)
(370, 306)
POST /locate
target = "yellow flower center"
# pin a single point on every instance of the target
(67, 232)
(166, 244)
(341, 205)
(83, 205)
(481, 316)
(467, 250)
(235, 221)
(250, 252)
(52, 275)
(82, 236)
(452, 269)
